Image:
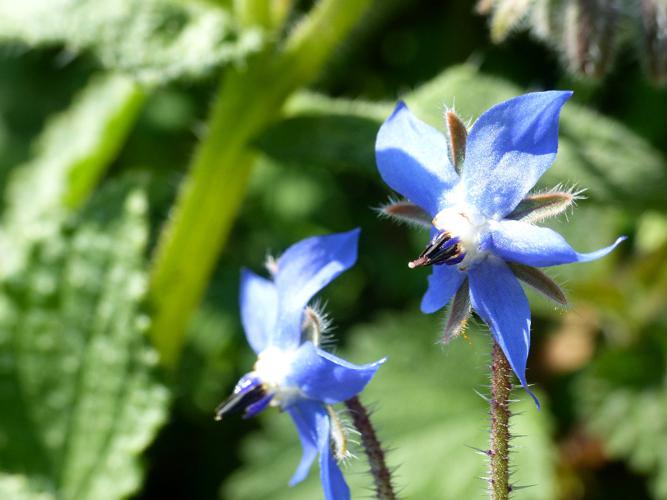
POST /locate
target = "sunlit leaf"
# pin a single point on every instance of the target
(340, 133)
(623, 400)
(80, 399)
(152, 40)
(70, 156)
(18, 487)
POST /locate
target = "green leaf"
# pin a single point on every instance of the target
(332, 133)
(427, 414)
(623, 400)
(70, 157)
(614, 164)
(153, 40)
(18, 487)
(80, 399)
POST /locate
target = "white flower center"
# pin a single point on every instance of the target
(468, 226)
(273, 368)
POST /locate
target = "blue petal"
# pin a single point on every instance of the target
(333, 482)
(412, 159)
(305, 415)
(499, 300)
(324, 377)
(538, 246)
(303, 270)
(256, 407)
(443, 283)
(259, 309)
(313, 425)
(509, 148)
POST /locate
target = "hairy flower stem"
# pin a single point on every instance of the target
(373, 448)
(501, 386)
(250, 97)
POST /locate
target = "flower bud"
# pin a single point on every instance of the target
(546, 19)
(507, 15)
(654, 26)
(589, 36)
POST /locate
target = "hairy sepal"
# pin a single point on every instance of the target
(540, 282)
(316, 324)
(458, 137)
(407, 212)
(459, 313)
(507, 15)
(339, 435)
(537, 207)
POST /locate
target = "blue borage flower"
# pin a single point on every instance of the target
(291, 371)
(474, 191)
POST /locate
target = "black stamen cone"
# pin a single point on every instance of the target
(240, 400)
(443, 249)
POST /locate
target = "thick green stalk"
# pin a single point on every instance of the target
(249, 98)
(253, 12)
(501, 386)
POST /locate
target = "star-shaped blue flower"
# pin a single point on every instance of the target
(482, 233)
(291, 371)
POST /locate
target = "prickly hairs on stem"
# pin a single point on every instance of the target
(499, 448)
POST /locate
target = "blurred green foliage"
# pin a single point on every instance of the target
(154, 41)
(103, 105)
(78, 389)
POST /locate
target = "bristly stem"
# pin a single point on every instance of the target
(501, 386)
(376, 456)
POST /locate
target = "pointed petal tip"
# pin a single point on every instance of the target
(377, 364)
(304, 269)
(398, 109)
(352, 237)
(429, 308)
(530, 393)
(562, 95)
(400, 104)
(523, 132)
(411, 157)
(526, 387)
(246, 273)
(326, 378)
(598, 254)
(294, 480)
(537, 246)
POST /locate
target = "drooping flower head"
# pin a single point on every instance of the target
(473, 193)
(291, 371)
